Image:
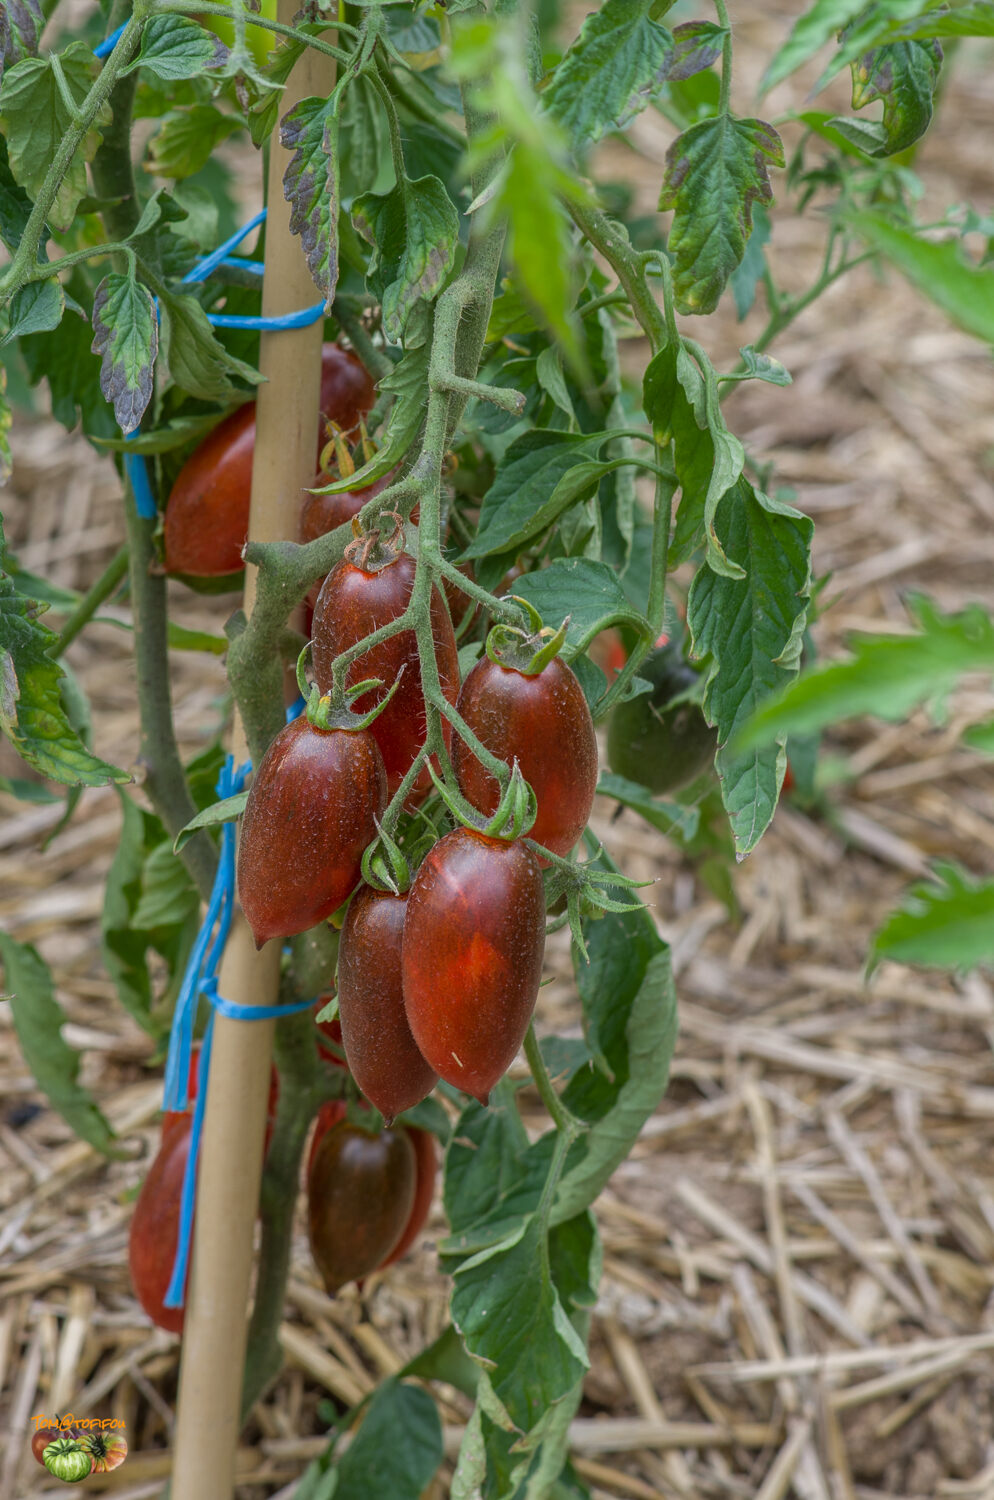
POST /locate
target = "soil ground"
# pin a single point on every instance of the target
(799, 1254)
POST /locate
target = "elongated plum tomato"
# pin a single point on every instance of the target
(542, 721)
(310, 813)
(382, 1055)
(352, 603)
(360, 1192)
(424, 1188)
(206, 524)
(474, 937)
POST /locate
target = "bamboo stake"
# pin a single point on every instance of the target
(208, 1421)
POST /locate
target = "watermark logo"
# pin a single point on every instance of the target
(72, 1448)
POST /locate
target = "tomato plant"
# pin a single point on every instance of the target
(520, 347)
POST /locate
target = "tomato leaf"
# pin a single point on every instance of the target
(682, 401)
(15, 205)
(887, 675)
(902, 75)
(197, 360)
(629, 1013)
(32, 715)
(64, 357)
(123, 946)
(610, 73)
(174, 47)
(964, 292)
(946, 922)
(126, 335)
(584, 592)
(535, 1361)
(38, 1021)
(750, 627)
(21, 26)
(186, 138)
(749, 272)
(760, 367)
(311, 186)
(715, 171)
(36, 119)
(224, 811)
(408, 383)
(811, 31)
(542, 473)
(668, 817)
(396, 1451)
(698, 44)
(35, 308)
(414, 230)
(168, 896)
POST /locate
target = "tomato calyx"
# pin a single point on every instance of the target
(516, 811)
(526, 651)
(384, 865)
(333, 710)
(372, 551)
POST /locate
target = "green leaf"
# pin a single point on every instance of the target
(177, 433)
(610, 73)
(812, 30)
(887, 675)
(174, 47)
(668, 817)
(483, 1168)
(876, 24)
(698, 44)
(965, 293)
(21, 26)
(682, 402)
(630, 1020)
(38, 1021)
(972, 19)
(123, 945)
(750, 628)
(760, 367)
(715, 171)
(311, 186)
(15, 205)
(946, 922)
(169, 897)
(981, 737)
(186, 139)
(32, 715)
(586, 593)
(36, 308)
(533, 1360)
(64, 358)
(126, 335)
(533, 485)
(408, 383)
(183, 639)
(903, 76)
(197, 360)
(414, 230)
(36, 120)
(397, 1449)
(225, 811)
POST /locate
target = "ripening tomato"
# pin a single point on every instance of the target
(155, 1226)
(652, 740)
(330, 1113)
(310, 813)
(67, 1459)
(381, 1052)
(42, 1436)
(544, 723)
(207, 513)
(352, 603)
(106, 1451)
(474, 937)
(360, 1193)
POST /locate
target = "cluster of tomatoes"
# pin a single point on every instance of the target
(73, 1453)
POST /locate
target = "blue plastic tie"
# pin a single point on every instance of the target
(105, 48)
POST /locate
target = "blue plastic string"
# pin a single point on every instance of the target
(105, 48)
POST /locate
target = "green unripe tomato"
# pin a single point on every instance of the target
(67, 1460)
(661, 743)
(260, 43)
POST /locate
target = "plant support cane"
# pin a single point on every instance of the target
(208, 1415)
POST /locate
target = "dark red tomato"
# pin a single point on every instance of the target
(381, 1052)
(424, 1191)
(155, 1226)
(206, 524)
(474, 937)
(545, 723)
(360, 1193)
(353, 603)
(311, 812)
(42, 1436)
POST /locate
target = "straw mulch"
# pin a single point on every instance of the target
(800, 1251)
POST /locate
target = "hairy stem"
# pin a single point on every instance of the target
(726, 57)
(611, 239)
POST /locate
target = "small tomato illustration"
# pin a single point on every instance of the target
(68, 1460)
(106, 1451)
